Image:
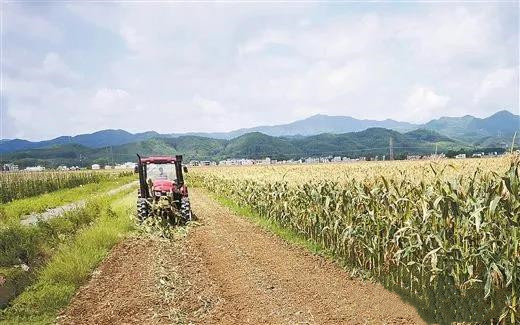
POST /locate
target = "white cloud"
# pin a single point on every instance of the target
(217, 67)
(26, 22)
(424, 104)
(109, 101)
(496, 87)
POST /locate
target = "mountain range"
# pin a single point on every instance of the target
(495, 130)
(255, 145)
(316, 135)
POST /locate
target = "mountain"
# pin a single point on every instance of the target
(373, 141)
(318, 124)
(257, 145)
(310, 126)
(92, 140)
(496, 130)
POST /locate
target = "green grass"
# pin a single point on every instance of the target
(71, 266)
(12, 211)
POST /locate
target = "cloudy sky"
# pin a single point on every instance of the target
(70, 68)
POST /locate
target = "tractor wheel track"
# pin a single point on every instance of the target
(228, 271)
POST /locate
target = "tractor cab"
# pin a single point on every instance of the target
(160, 175)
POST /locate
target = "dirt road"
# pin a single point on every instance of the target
(34, 218)
(228, 271)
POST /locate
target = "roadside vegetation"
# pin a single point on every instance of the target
(18, 185)
(45, 264)
(444, 235)
(14, 210)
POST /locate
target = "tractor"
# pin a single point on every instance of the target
(162, 192)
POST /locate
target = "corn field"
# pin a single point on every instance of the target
(444, 235)
(18, 185)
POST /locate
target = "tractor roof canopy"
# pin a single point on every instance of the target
(159, 160)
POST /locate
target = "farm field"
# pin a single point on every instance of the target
(29, 249)
(18, 185)
(377, 242)
(444, 235)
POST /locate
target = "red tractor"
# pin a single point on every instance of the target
(162, 192)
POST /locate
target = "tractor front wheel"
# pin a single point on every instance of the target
(186, 213)
(142, 209)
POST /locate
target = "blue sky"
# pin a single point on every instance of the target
(76, 67)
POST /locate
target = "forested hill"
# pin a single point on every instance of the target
(373, 141)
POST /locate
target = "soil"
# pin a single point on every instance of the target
(227, 271)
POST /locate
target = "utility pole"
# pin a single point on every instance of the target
(112, 155)
(436, 146)
(391, 145)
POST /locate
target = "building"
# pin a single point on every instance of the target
(9, 168)
(460, 156)
(95, 167)
(35, 169)
(311, 160)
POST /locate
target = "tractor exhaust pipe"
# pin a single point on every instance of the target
(143, 187)
(178, 170)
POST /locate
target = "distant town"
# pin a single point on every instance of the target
(9, 167)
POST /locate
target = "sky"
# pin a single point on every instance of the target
(76, 67)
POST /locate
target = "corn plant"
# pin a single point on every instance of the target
(445, 234)
(17, 185)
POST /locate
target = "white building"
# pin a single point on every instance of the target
(311, 160)
(460, 156)
(35, 169)
(96, 167)
(9, 168)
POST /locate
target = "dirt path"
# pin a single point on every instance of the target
(34, 218)
(228, 271)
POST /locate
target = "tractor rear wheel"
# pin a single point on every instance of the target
(186, 213)
(142, 209)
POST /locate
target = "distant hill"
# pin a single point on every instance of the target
(92, 140)
(494, 131)
(318, 124)
(373, 141)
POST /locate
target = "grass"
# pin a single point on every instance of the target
(31, 247)
(71, 266)
(12, 211)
